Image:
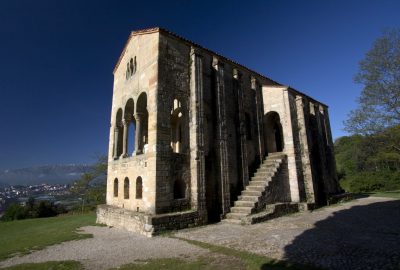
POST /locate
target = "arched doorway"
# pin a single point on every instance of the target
(273, 133)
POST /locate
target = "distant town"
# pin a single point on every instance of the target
(56, 193)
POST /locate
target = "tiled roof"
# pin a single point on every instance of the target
(165, 31)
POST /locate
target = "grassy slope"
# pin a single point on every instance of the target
(23, 236)
(388, 194)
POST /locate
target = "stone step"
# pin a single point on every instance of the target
(259, 182)
(232, 221)
(256, 188)
(266, 167)
(264, 173)
(251, 198)
(271, 211)
(241, 209)
(271, 161)
(248, 202)
(235, 215)
(261, 177)
(276, 154)
(266, 170)
(245, 203)
(255, 193)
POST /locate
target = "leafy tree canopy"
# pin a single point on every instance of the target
(379, 102)
(369, 162)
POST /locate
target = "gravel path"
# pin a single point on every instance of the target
(361, 234)
(110, 248)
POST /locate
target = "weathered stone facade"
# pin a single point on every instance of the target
(212, 139)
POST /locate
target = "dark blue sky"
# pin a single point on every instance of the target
(57, 57)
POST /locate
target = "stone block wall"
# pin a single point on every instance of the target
(144, 49)
(148, 225)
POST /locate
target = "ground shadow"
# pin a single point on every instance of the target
(362, 237)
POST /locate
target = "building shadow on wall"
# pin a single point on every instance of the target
(362, 237)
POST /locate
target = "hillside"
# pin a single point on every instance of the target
(51, 174)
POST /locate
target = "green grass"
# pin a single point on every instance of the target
(23, 236)
(64, 265)
(221, 258)
(168, 264)
(387, 194)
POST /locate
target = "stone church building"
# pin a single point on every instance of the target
(197, 138)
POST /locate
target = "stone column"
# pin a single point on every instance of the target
(259, 108)
(125, 138)
(304, 149)
(196, 140)
(222, 136)
(116, 135)
(138, 134)
(242, 128)
(322, 148)
(332, 160)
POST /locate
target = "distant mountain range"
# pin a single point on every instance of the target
(50, 174)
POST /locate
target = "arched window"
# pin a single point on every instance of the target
(179, 189)
(131, 67)
(126, 188)
(139, 188)
(134, 65)
(116, 187)
(118, 135)
(130, 125)
(176, 127)
(141, 117)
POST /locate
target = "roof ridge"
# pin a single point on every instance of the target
(166, 31)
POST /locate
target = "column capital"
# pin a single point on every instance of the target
(299, 97)
(124, 122)
(236, 74)
(254, 82)
(138, 116)
(216, 63)
(195, 51)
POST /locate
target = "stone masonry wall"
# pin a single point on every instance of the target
(144, 48)
(173, 83)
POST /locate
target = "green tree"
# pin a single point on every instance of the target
(379, 102)
(369, 162)
(91, 194)
(14, 211)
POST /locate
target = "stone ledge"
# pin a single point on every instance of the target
(272, 211)
(341, 197)
(146, 224)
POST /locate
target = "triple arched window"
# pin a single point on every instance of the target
(139, 188)
(131, 128)
(131, 67)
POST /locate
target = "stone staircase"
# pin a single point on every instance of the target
(254, 198)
